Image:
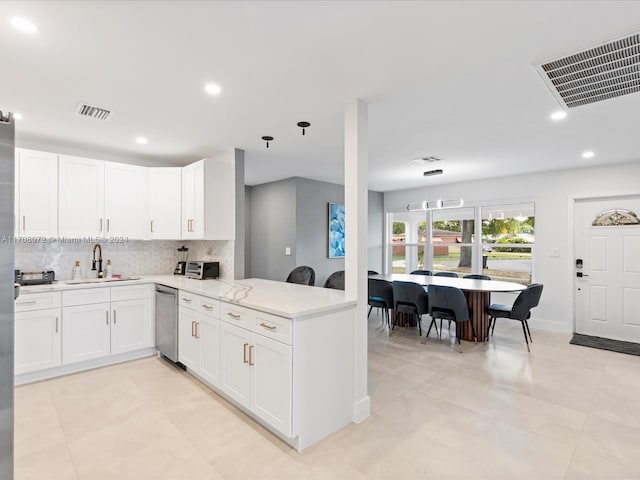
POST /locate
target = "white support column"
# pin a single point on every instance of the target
(356, 248)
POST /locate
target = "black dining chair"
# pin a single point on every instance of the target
(335, 280)
(449, 303)
(422, 272)
(381, 296)
(446, 274)
(476, 276)
(302, 275)
(521, 310)
(410, 298)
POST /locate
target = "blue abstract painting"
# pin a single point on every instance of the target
(336, 230)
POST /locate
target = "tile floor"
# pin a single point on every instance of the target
(491, 412)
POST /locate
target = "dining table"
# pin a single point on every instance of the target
(477, 292)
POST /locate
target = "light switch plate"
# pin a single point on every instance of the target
(554, 252)
(287, 250)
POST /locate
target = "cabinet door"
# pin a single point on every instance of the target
(193, 201)
(81, 196)
(126, 197)
(165, 203)
(271, 382)
(188, 349)
(131, 325)
(208, 333)
(235, 371)
(86, 332)
(38, 341)
(38, 197)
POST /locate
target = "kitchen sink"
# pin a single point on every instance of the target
(100, 280)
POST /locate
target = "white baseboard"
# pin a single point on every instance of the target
(82, 366)
(549, 326)
(362, 409)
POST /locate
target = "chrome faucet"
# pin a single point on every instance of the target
(93, 267)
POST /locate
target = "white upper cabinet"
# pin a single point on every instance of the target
(193, 198)
(37, 187)
(81, 197)
(165, 213)
(98, 198)
(125, 201)
(209, 198)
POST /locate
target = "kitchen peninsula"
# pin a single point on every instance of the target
(258, 343)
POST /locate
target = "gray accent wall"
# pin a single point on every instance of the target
(376, 230)
(6, 299)
(312, 226)
(273, 228)
(294, 213)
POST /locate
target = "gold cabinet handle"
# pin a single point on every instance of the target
(244, 355)
(107, 312)
(114, 317)
(208, 307)
(193, 327)
(266, 325)
(30, 302)
(151, 226)
(197, 333)
(233, 315)
(24, 222)
(251, 364)
(100, 225)
(187, 300)
(57, 320)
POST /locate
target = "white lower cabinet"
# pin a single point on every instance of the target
(38, 342)
(86, 332)
(199, 344)
(257, 373)
(96, 330)
(131, 328)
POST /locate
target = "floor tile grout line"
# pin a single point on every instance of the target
(587, 416)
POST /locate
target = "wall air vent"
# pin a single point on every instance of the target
(601, 73)
(429, 159)
(91, 111)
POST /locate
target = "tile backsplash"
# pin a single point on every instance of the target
(157, 257)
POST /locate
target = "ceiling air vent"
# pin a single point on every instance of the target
(601, 73)
(91, 111)
(429, 159)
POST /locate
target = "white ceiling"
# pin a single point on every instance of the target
(449, 79)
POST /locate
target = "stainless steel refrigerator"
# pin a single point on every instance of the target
(7, 166)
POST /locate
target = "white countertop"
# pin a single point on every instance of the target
(279, 298)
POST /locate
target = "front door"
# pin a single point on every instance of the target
(607, 286)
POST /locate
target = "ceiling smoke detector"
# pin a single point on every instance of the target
(429, 159)
(601, 73)
(91, 111)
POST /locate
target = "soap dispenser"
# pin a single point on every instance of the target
(77, 273)
(109, 271)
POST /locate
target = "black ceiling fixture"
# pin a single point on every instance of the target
(432, 172)
(304, 125)
(267, 139)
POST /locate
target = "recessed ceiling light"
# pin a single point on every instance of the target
(559, 115)
(212, 89)
(588, 154)
(24, 25)
(17, 116)
(142, 140)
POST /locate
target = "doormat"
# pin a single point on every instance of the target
(619, 346)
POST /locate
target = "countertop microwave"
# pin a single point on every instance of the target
(203, 270)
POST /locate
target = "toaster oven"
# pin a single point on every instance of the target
(203, 270)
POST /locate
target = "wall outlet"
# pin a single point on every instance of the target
(554, 252)
(287, 250)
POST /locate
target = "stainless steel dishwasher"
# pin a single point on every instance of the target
(167, 322)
